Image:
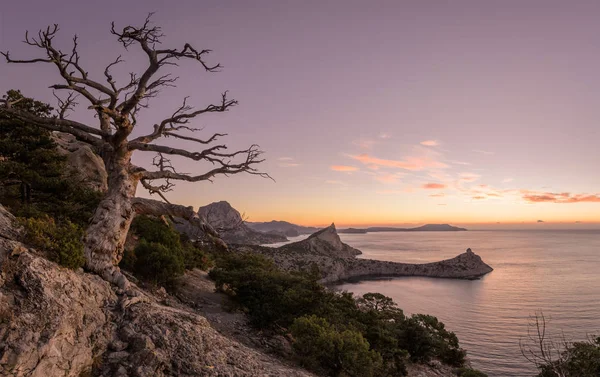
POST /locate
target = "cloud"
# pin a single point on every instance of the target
(540, 221)
(563, 197)
(507, 180)
(410, 163)
(288, 165)
(285, 159)
(332, 182)
(454, 162)
(433, 186)
(482, 151)
(364, 143)
(344, 168)
(384, 135)
(389, 178)
(440, 195)
(430, 143)
(392, 192)
(469, 177)
(478, 197)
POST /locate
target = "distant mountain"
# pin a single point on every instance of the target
(424, 228)
(228, 222)
(282, 228)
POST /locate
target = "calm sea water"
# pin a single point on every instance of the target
(557, 272)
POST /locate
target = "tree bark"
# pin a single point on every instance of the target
(106, 234)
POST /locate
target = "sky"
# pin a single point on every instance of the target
(370, 113)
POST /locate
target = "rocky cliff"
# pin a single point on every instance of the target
(325, 242)
(231, 226)
(337, 261)
(59, 322)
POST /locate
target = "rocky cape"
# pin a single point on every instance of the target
(337, 261)
(59, 322)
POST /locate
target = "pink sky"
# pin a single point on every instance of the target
(396, 112)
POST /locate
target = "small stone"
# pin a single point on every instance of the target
(117, 356)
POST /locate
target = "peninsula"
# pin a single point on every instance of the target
(337, 261)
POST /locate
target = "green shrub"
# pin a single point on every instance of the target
(162, 254)
(34, 176)
(61, 241)
(157, 263)
(320, 347)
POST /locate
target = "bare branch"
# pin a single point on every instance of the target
(65, 105)
(147, 37)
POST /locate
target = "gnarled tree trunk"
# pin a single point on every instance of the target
(106, 234)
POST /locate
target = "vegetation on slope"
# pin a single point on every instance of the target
(37, 185)
(162, 253)
(335, 333)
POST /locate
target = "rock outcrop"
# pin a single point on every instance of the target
(87, 164)
(325, 242)
(231, 226)
(59, 322)
(337, 261)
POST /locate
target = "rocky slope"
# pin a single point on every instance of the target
(336, 261)
(59, 322)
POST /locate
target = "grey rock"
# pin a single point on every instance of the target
(58, 322)
(82, 159)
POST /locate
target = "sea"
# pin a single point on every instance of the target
(554, 272)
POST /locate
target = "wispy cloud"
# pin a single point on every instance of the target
(343, 168)
(287, 162)
(468, 177)
(433, 186)
(389, 177)
(393, 192)
(478, 197)
(482, 151)
(333, 182)
(364, 143)
(454, 162)
(384, 135)
(563, 197)
(430, 143)
(439, 195)
(507, 180)
(409, 163)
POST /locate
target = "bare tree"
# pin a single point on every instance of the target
(116, 108)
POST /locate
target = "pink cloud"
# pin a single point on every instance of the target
(430, 143)
(389, 178)
(440, 195)
(478, 197)
(563, 197)
(469, 177)
(410, 163)
(343, 168)
(433, 186)
(364, 143)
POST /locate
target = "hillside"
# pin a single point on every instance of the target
(281, 227)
